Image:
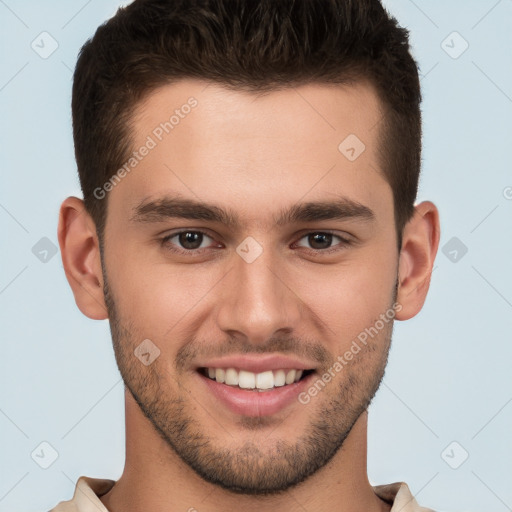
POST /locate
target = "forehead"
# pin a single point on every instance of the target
(211, 143)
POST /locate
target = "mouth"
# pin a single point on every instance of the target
(254, 385)
(250, 381)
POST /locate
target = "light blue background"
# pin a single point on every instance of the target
(449, 374)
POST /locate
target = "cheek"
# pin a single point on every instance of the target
(349, 298)
(157, 298)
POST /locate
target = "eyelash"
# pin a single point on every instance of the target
(165, 242)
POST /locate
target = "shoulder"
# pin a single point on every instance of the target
(86, 496)
(399, 495)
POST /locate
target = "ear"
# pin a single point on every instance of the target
(420, 241)
(79, 247)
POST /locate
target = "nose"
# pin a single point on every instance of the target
(257, 303)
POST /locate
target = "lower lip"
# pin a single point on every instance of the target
(256, 403)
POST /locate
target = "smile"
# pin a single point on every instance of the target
(262, 381)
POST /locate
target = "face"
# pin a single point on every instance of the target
(241, 246)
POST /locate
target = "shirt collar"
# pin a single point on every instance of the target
(88, 490)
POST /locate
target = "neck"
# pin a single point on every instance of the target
(156, 479)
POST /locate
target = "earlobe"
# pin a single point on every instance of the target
(80, 252)
(419, 248)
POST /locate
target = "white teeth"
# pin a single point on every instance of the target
(290, 376)
(280, 378)
(265, 380)
(249, 380)
(220, 375)
(246, 380)
(231, 377)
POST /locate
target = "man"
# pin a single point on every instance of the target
(249, 171)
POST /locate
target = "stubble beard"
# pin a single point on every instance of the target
(249, 469)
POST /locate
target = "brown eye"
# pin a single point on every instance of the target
(187, 241)
(323, 242)
(320, 240)
(190, 239)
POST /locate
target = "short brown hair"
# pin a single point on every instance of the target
(255, 45)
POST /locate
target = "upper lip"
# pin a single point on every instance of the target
(257, 363)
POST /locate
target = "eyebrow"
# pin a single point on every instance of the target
(165, 208)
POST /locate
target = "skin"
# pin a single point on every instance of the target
(256, 156)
